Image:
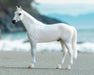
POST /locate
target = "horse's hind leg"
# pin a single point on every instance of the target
(64, 54)
(68, 46)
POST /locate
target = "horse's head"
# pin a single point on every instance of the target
(18, 15)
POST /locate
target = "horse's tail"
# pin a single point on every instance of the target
(74, 43)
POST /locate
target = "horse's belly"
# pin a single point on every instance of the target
(47, 39)
(49, 36)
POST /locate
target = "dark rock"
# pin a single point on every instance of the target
(80, 42)
(26, 41)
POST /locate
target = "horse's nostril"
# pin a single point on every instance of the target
(13, 21)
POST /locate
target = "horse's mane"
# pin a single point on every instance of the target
(31, 17)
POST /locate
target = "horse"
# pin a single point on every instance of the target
(39, 32)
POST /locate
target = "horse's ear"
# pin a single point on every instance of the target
(20, 7)
(16, 7)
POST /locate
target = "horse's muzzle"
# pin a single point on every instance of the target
(13, 21)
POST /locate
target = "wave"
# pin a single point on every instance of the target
(86, 47)
(20, 45)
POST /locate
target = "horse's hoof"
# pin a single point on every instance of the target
(68, 68)
(30, 67)
(58, 67)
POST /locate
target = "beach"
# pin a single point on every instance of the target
(16, 63)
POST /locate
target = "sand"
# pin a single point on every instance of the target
(16, 63)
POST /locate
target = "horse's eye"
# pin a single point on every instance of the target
(19, 14)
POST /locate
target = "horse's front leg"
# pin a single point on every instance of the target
(33, 52)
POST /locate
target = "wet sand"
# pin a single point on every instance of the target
(16, 63)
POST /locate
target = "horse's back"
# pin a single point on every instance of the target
(54, 32)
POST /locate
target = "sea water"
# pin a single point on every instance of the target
(18, 42)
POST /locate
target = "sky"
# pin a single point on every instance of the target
(65, 1)
(75, 12)
(65, 9)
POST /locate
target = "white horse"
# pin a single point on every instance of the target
(40, 32)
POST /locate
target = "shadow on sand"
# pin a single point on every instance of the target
(3, 67)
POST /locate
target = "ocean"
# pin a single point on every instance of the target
(18, 42)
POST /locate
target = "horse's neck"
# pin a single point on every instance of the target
(29, 21)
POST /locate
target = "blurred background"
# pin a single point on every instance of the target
(77, 13)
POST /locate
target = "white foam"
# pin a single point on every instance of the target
(86, 47)
(19, 45)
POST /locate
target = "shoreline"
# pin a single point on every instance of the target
(16, 63)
